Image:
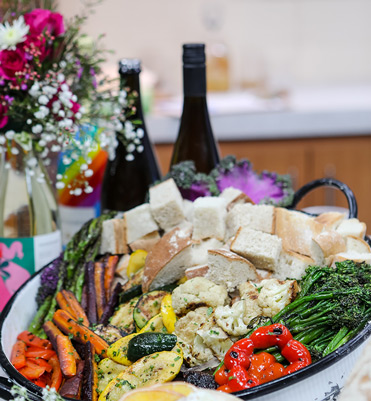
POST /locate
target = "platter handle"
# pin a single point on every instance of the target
(327, 182)
(5, 391)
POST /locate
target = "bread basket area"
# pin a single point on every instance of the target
(203, 275)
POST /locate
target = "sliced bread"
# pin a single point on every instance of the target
(257, 217)
(209, 218)
(352, 227)
(113, 237)
(331, 242)
(262, 249)
(292, 265)
(330, 220)
(356, 244)
(226, 267)
(168, 259)
(200, 248)
(196, 271)
(166, 204)
(139, 222)
(147, 242)
(297, 231)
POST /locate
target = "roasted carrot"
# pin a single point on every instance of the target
(52, 331)
(90, 291)
(80, 333)
(18, 355)
(109, 274)
(36, 352)
(75, 305)
(57, 376)
(32, 371)
(40, 362)
(90, 375)
(66, 356)
(72, 387)
(64, 304)
(32, 340)
(99, 288)
(41, 381)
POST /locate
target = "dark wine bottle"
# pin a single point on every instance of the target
(128, 176)
(195, 139)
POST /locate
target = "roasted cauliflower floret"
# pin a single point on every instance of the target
(195, 351)
(230, 318)
(198, 292)
(216, 339)
(249, 295)
(274, 295)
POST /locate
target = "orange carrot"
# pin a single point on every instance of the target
(36, 352)
(52, 331)
(64, 304)
(79, 332)
(18, 355)
(32, 340)
(41, 381)
(109, 274)
(100, 294)
(75, 305)
(66, 356)
(41, 362)
(32, 371)
(57, 376)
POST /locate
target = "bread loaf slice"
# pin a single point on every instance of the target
(356, 257)
(228, 268)
(352, 227)
(209, 218)
(262, 249)
(166, 204)
(113, 237)
(139, 222)
(292, 265)
(297, 231)
(199, 250)
(168, 259)
(356, 244)
(196, 271)
(257, 217)
(331, 242)
(330, 220)
(147, 242)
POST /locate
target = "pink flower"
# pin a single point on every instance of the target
(40, 20)
(11, 61)
(3, 116)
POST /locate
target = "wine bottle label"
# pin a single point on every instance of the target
(72, 218)
(21, 257)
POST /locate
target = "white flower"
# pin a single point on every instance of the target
(65, 88)
(11, 35)
(14, 151)
(61, 113)
(140, 133)
(61, 78)
(140, 149)
(55, 148)
(49, 90)
(78, 115)
(88, 189)
(129, 158)
(63, 64)
(37, 129)
(130, 148)
(60, 185)
(34, 90)
(2, 139)
(42, 112)
(43, 99)
(10, 134)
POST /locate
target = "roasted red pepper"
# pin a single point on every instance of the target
(221, 375)
(243, 370)
(297, 354)
(269, 336)
(265, 368)
(239, 354)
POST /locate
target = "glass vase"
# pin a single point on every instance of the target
(30, 234)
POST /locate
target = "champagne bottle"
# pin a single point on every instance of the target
(195, 138)
(128, 176)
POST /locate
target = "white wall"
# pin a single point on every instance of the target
(290, 41)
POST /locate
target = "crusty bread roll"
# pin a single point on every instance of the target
(168, 259)
(356, 244)
(330, 220)
(352, 227)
